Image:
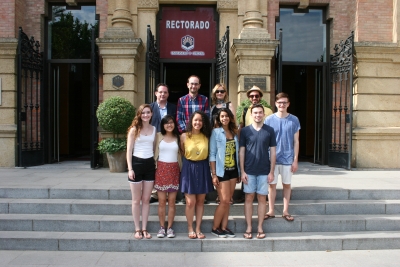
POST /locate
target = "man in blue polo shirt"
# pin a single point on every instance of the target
(286, 127)
(257, 166)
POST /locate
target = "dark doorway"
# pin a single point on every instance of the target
(69, 115)
(304, 85)
(176, 75)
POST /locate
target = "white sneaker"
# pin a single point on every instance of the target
(170, 233)
(161, 233)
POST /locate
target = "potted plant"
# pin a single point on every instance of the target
(115, 115)
(246, 104)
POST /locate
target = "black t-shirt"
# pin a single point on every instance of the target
(257, 144)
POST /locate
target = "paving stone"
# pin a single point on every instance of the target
(327, 224)
(16, 225)
(374, 194)
(42, 208)
(78, 193)
(393, 208)
(3, 207)
(66, 225)
(319, 194)
(355, 208)
(383, 223)
(237, 244)
(95, 241)
(33, 193)
(178, 244)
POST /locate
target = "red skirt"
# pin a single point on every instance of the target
(167, 177)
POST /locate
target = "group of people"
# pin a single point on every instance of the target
(193, 149)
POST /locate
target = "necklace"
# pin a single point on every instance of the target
(220, 101)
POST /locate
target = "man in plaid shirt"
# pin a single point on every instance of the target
(190, 103)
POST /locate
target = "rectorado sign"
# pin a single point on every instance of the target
(187, 34)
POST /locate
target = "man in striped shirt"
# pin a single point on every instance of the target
(190, 103)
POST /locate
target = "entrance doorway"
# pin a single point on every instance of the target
(175, 75)
(69, 44)
(69, 116)
(306, 91)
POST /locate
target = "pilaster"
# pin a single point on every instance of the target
(8, 127)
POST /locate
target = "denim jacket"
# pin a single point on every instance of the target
(217, 150)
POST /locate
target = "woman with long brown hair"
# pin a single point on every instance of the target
(195, 174)
(141, 167)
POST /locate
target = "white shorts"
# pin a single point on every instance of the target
(285, 172)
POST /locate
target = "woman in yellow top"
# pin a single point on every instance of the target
(195, 175)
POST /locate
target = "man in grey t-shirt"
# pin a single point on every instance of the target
(286, 127)
(256, 166)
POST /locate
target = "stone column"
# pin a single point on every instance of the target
(8, 126)
(254, 50)
(120, 51)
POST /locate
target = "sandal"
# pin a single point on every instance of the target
(247, 235)
(146, 234)
(192, 235)
(139, 234)
(267, 216)
(260, 235)
(200, 235)
(288, 218)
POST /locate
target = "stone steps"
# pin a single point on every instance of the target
(98, 241)
(123, 207)
(120, 223)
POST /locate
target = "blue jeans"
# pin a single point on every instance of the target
(256, 184)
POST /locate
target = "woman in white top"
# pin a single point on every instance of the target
(169, 160)
(140, 158)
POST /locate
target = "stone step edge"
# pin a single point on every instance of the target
(82, 241)
(124, 193)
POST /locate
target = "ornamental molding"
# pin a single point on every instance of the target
(148, 4)
(227, 4)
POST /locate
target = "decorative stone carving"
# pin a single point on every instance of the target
(148, 3)
(227, 4)
(118, 82)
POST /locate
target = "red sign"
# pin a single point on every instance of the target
(187, 34)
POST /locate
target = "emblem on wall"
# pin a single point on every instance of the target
(187, 42)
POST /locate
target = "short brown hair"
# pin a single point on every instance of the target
(282, 95)
(162, 84)
(256, 106)
(195, 77)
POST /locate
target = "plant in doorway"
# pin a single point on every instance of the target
(245, 104)
(115, 115)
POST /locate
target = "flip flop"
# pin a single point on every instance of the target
(247, 235)
(200, 235)
(267, 216)
(192, 235)
(146, 234)
(140, 234)
(287, 217)
(260, 235)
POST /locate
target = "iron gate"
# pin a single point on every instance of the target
(222, 64)
(341, 77)
(152, 66)
(30, 67)
(94, 102)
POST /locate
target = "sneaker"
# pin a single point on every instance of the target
(218, 232)
(161, 233)
(170, 233)
(228, 232)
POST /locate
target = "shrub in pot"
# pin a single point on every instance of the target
(115, 115)
(246, 104)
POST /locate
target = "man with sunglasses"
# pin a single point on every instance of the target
(254, 94)
(286, 127)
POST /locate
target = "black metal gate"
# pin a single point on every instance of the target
(94, 102)
(278, 65)
(29, 102)
(341, 77)
(222, 64)
(152, 66)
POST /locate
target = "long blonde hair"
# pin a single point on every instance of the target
(137, 121)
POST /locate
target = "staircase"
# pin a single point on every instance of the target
(92, 218)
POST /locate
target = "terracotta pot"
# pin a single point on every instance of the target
(117, 161)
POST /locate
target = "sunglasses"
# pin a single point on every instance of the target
(220, 91)
(254, 96)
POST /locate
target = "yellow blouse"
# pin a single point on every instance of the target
(196, 147)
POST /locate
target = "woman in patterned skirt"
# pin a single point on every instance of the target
(195, 175)
(169, 161)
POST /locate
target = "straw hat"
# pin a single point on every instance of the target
(255, 88)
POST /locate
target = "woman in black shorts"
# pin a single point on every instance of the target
(224, 162)
(139, 155)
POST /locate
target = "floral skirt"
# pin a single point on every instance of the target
(167, 177)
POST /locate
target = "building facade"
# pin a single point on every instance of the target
(363, 131)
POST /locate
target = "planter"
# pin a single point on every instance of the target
(117, 161)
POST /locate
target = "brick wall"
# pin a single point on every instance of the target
(101, 9)
(375, 20)
(7, 18)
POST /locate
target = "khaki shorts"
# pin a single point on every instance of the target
(285, 172)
